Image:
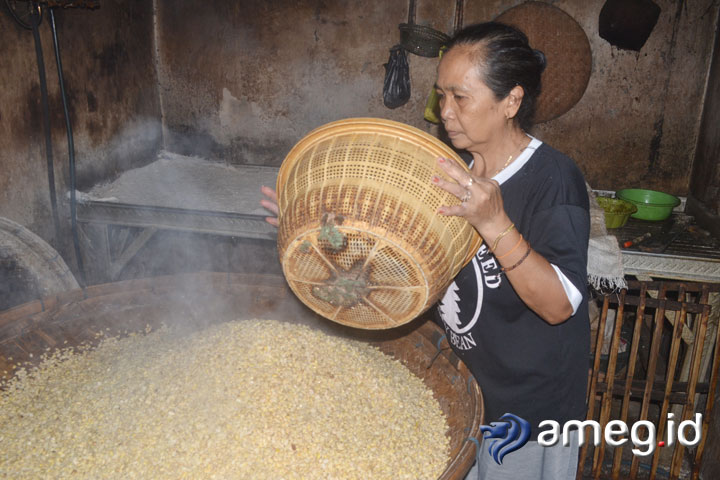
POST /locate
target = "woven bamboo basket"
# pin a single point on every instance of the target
(359, 237)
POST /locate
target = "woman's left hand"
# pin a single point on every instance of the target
(270, 202)
(481, 201)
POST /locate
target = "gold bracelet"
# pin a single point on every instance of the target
(505, 270)
(512, 249)
(499, 237)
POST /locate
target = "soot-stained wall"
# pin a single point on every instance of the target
(111, 86)
(705, 184)
(637, 124)
(245, 80)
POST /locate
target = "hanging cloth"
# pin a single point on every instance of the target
(432, 106)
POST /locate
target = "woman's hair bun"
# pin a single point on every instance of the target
(542, 61)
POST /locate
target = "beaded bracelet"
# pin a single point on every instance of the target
(505, 270)
(499, 237)
(512, 249)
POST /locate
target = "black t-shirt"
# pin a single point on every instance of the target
(524, 365)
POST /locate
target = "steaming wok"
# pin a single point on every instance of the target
(197, 300)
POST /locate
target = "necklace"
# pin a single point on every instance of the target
(503, 167)
(509, 160)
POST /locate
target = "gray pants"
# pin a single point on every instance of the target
(531, 462)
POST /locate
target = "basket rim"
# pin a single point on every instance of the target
(367, 125)
(424, 30)
(609, 201)
(625, 193)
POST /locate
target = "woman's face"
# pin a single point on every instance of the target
(471, 114)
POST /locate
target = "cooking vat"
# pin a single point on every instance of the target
(194, 301)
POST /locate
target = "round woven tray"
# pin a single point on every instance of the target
(359, 237)
(567, 49)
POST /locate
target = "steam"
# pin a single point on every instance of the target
(135, 141)
(201, 224)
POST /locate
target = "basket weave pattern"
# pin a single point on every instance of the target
(359, 238)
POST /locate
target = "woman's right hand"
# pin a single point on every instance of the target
(482, 204)
(270, 203)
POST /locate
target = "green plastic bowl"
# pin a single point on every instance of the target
(617, 211)
(651, 205)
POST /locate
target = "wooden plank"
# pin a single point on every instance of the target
(709, 403)
(689, 404)
(672, 285)
(592, 386)
(678, 395)
(137, 243)
(652, 365)
(669, 377)
(713, 320)
(669, 305)
(606, 403)
(617, 452)
(634, 348)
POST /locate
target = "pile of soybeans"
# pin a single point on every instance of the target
(250, 399)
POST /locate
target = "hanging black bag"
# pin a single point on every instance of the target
(396, 90)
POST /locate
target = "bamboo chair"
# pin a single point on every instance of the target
(663, 370)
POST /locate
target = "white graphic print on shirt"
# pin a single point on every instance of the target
(482, 272)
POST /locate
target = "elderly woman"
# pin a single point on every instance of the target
(517, 313)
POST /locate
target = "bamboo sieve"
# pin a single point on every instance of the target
(359, 237)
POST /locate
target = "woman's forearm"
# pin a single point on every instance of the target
(533, 278)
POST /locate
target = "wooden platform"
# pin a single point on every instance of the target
(175, 192)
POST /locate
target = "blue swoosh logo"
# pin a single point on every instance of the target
(507, 436)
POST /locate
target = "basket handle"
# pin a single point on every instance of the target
(411, 12)
(459, 8)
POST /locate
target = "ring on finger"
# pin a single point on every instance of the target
(466, 197)
(469, 183)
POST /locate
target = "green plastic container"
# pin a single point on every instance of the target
(617, 211)
(651, 205)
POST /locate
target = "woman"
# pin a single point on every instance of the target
(517, 313)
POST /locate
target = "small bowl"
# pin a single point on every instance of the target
(617, 211)
(652, 205)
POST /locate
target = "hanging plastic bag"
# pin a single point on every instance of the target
(396, 89)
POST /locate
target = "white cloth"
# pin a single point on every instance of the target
(605, 267)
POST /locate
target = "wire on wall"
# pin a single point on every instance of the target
(35, 20)
(71, 151)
